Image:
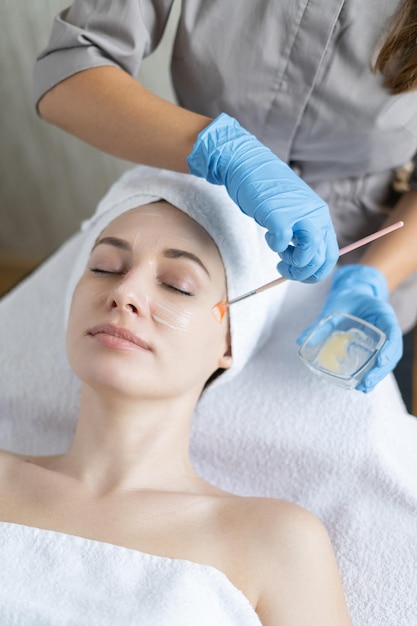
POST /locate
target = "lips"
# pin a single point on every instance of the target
(117, 336)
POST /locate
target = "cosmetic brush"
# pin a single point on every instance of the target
(220, 309)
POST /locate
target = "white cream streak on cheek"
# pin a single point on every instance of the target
(175, 318)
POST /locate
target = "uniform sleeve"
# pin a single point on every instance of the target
(92, 33)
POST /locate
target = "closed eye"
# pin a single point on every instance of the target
(97, 270)
(182, 292)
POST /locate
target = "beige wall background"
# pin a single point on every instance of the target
(50, 181)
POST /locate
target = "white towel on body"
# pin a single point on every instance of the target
(273, 430)
(54, 579)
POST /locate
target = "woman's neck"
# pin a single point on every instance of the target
(122, 445)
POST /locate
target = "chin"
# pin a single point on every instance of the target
(105, 376)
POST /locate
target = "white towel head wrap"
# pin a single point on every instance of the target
(247, 259)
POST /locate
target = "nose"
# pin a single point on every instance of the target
(129, 295)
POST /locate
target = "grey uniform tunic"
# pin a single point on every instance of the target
(296, 73)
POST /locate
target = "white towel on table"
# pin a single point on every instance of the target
(54, 579)
(274, 430)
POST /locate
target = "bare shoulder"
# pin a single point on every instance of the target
(9, 461)
(297, 576)
(264, 523)
(281, 533)
(288, 525)
(286, 536)
(267, 533)
(9, 464)
(277, 521)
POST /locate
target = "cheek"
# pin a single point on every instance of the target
(190, 323)
(176, 317)
(203, 344)
(88, 295)
(74, 336)
(80, 314)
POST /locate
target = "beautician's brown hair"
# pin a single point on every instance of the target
(397, 58)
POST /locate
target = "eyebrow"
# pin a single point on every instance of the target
(169, 253)
(174, 253)
(122, 244)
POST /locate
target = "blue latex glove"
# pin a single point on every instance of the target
(361, 290)
(267, 189)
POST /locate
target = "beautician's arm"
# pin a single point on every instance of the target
(110, 110)
(146, 129)
(396, 255)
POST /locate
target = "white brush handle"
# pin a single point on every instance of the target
(342, 251)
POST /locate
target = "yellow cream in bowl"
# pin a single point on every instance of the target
(334, 351)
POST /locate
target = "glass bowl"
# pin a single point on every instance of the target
(342, 348)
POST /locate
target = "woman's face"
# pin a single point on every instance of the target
(141, 320)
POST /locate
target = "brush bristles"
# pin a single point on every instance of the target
(219, 310)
